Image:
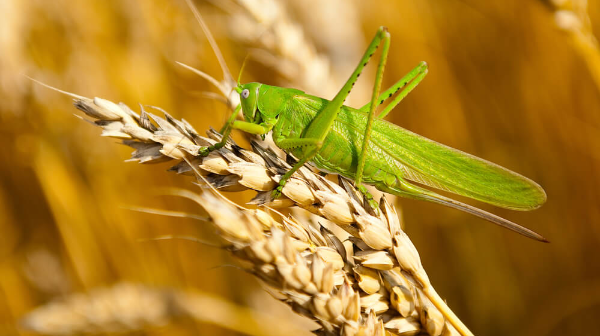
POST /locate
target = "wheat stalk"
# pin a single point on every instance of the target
(375, 284)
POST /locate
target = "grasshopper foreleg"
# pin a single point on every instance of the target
(231, 124)
(225, 131)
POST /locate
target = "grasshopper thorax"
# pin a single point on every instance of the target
(262, 104)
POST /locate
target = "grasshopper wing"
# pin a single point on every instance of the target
(433, 164)
(427, 162)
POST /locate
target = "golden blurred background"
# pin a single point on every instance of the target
(515, 82)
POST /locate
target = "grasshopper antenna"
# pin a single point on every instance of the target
(242, 69)
(226, 73)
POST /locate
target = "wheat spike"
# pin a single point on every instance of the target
(277, 40)
(375, 284)
(127, 307)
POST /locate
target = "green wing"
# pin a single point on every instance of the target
(438, 166)
(433, 164)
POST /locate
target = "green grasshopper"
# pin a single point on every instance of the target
(361, 146)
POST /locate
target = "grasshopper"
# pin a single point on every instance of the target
(359, 145)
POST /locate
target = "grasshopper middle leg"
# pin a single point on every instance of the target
(315, 134)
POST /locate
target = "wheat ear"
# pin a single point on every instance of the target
(376, 283)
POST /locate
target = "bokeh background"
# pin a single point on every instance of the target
(512, 81)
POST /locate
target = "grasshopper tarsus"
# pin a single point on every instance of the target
(203, 151)
(369, 199)
(276, 193)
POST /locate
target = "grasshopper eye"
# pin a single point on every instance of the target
(245, 93)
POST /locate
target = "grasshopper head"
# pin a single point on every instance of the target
(249, 100)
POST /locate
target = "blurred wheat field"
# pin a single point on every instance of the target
(514, 82)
